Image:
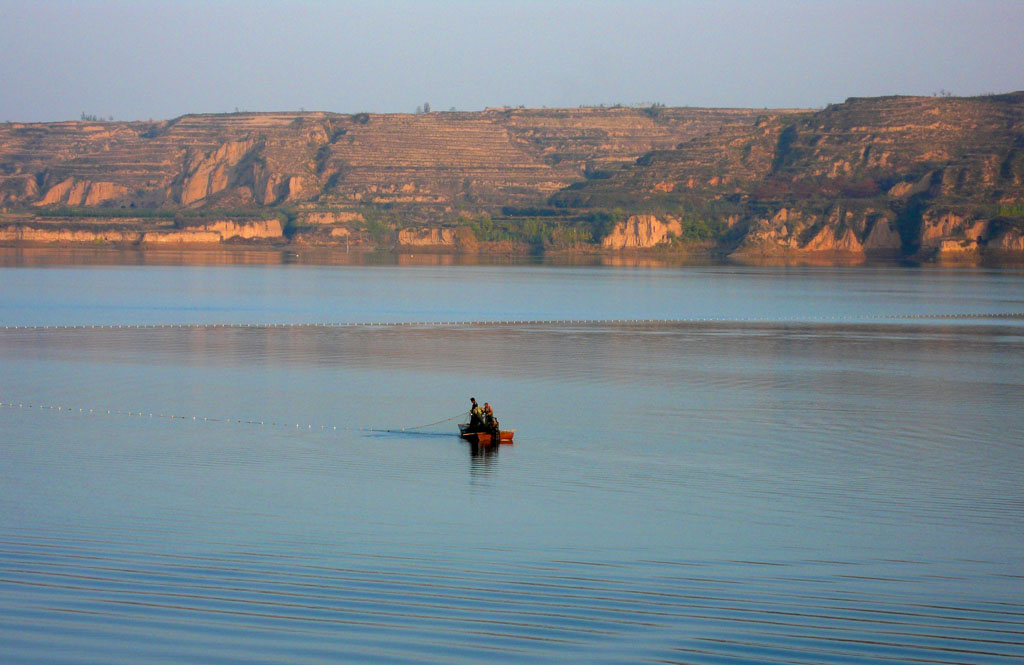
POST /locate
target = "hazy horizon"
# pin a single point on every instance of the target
(160, 60)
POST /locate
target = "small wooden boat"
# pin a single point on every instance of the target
(486, 438)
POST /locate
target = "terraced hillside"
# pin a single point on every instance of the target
(893, 175)
(267, 159)
(897, 176)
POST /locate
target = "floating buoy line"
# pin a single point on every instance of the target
(526, 322)
(61, 409)
(8, 404)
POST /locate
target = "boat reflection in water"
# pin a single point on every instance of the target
(484, 446)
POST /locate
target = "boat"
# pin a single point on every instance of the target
(486, 438)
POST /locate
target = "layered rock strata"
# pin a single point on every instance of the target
(909, 176)
(642, 232)
(138, 232)
(891, 176)
(264, 159)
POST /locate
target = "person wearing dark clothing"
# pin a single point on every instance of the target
(476, 415)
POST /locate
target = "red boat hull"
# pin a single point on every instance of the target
(487, 438)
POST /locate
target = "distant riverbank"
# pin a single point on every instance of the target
(913, 178)
(78, 254)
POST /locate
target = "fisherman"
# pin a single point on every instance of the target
(475, 416)
(489, 421)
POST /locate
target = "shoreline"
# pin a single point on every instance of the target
(55, 254)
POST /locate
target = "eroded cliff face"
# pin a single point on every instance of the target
(328, 168)
(642, 232)
(220, 231)
(837, 230)
(56, 235)
(909, 176)
(871, 232)
(210, 173)
(496, 156)
(75, 192)
(893, 176)
(139, 232)
(1008, 240)
(426, 238)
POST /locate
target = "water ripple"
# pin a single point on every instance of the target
(700, 493)
(258, 603)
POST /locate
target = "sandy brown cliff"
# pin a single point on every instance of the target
(893, 176)
(269, 158)
(897, 176)
(330, 178)
(138, 231)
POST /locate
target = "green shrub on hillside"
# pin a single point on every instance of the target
(539, 233)
(601, 222)
(84, 213)
(697, 229)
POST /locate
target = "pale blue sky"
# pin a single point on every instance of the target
(139, 60)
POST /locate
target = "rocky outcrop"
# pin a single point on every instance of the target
(898, 176)
(17, 188)
(495, 157)
(828, 238)
(426, 237)
(273, 188)
(266, 229)
(209, 173)
(836, 231)
(16, 233)
(333, 236)
(957, 249)
(183, 237)
(642, 232)
(883, 239)
(217, 232)
(947, 234)
(74, 192)
(128, 232)
(937, 227)
(320, 217)
(1008, 240)
(911, 176)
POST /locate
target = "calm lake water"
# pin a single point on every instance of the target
(777, 465)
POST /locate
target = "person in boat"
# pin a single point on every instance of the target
(490, 422)
(476, 416)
